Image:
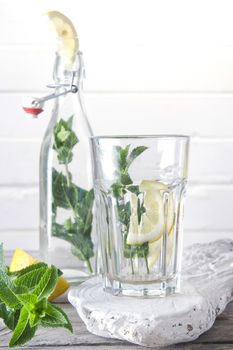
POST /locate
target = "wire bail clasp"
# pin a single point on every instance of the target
(34, 105)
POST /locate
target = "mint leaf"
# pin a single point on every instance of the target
(34, 319)
(122, 154)
(31, 275)
(84, 249)
(9, 316)
(38, 312)
(23, 331)
(64, 195)
(82, 245)
(63, 134)
(64, 141)
(55, 317)
(7, 291)
(41, 306)
(125, 179)
(78, 233)
(124, 212)
(28, 269)
(47, 283)
(117, 189)
(84, 210)
(134, 189)
(135, 153)
(28, 300)
(81, 193)
(20, 290)
(60, 190)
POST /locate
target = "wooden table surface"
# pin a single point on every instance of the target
(220, 336)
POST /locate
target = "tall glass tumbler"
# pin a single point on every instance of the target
(140, 184)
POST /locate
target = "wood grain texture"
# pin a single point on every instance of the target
(132, 347)
(219, 337)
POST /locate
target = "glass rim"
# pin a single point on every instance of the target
(78, 53)
(152, 136)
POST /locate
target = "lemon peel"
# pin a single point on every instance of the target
(68, 42)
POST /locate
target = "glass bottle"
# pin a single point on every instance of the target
(66, 189)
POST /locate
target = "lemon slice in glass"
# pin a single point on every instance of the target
(151, 225)
(155, 247)
(147, 185)
(66, 34)
(134, 204)
(155, 250)
(154, 253)
(133, 225)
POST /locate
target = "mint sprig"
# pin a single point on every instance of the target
(24, 304)
(123, 184)
(67, 195)
(64, 140)
(23, 332)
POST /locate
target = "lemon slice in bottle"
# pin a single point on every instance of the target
(67, 36)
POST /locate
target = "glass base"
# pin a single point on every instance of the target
(146, 290)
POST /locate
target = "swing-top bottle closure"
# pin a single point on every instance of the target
(34, 106)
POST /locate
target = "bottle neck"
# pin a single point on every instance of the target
(67, 74)
(69, 77)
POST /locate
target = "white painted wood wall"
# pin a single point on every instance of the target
(152, 66)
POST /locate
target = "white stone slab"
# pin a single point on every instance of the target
(207, 286)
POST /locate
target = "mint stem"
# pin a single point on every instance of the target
(89, 266)
(67, 175)
(146, 261)
(88, 263)
(131, 261)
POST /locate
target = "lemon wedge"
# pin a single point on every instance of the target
(22, 259)
(66, 34)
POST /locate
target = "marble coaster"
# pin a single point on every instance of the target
(207, 286)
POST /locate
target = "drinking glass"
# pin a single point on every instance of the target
(139, 184)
